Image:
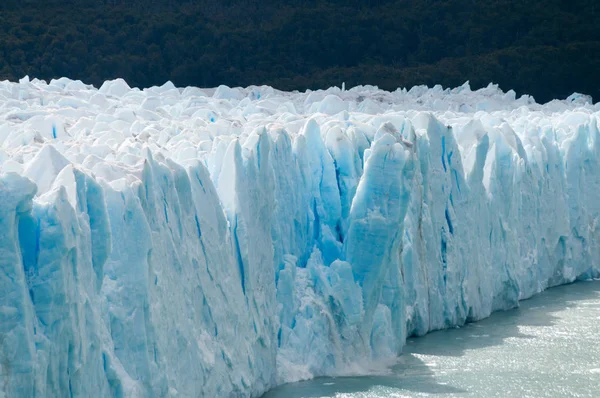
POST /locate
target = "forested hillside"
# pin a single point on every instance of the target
(547, 48)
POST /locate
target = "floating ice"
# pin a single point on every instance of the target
(167, 242)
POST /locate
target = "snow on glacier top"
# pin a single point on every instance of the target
(106, 130)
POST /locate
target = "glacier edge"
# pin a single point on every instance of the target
(221, 261)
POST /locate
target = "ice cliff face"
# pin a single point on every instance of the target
(188, 243)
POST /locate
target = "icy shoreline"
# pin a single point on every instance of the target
(171, 242)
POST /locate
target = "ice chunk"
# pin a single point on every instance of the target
(116, 88)
(45, 167)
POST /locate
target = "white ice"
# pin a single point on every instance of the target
(216, 242)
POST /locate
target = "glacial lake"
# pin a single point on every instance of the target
(549, 347)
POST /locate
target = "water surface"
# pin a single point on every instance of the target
(549, 347)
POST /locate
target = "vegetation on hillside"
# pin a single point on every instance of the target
(547, 48)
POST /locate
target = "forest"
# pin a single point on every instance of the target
(545, 48)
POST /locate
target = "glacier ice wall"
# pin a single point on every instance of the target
(187, 242)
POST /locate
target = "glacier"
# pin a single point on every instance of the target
(171, 242)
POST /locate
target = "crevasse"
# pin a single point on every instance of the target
(169, 242)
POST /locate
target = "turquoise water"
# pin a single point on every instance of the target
(549, 347)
